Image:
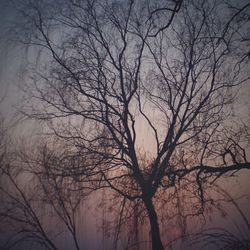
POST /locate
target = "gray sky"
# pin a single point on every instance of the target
(11, 60)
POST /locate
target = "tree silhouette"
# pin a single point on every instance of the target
(108, 69)
(32, 195)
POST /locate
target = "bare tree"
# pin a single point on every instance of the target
(225, 238)
(112, 68)
(20, 214)
(32, 196)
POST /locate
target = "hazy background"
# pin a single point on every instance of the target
(12, 63)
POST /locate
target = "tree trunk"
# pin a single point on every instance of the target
(155, 231)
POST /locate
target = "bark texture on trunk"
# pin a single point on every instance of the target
(155, 230)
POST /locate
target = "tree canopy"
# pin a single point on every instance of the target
(140, 93)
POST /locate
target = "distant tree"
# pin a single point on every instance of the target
(31, 196)
(107, 70)
(225, 238)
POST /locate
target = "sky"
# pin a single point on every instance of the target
(10, 62)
